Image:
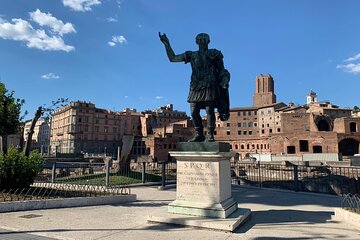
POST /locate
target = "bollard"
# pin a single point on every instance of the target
(143, 172)
(296, 178)
(163, 176)
(107, 171)
(53, 172)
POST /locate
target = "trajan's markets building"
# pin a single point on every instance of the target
(278, 128)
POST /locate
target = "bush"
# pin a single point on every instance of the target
(17, 170)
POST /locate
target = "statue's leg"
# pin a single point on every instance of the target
(210, 112)
(199, 129)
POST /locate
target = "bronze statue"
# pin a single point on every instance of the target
(209, 84)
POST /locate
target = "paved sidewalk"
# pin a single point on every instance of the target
(275, 215)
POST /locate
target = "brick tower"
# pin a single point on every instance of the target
(264, 91)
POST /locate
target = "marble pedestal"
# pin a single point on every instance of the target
(203, 192)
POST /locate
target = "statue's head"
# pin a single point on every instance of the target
(202, 38)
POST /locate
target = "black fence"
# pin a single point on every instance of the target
(351, 203)
(321, 179)
(108, 174)
(59, 190)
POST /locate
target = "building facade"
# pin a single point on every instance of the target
(81, 127)
(41, 135)
(278, 128)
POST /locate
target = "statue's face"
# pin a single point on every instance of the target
(202, 39)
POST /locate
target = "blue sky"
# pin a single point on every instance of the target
(108, 51)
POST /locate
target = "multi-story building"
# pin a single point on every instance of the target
(41, 135)
(80, 127)
(277, 128)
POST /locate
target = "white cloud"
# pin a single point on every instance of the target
(126, 97)
(50, 76)
(56, 25)
(159, 97)
(118, 2)
(354, 58)
(117, 39)
(111, 19)
(21, 30)
(351, 67)
(81, 5)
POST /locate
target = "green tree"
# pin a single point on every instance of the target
(18, 170)
(356, 109)
(10, 108)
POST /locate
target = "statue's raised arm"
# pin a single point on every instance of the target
(169, 51)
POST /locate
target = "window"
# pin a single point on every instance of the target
(249, 112)
(96, 128)
(86, 128)
(79, 119)
(245, 132)
(114, 129)
(244, 113)
(250, 132)
(255, 124)
(227, 132)
(106, 129)
(86, 119)
(236, 146)
(270, 130)
(278, 130)
(242, 146)
(291, 149)
(353, 127)
(227, 124)
(238, 113)
(262, 131)
(304, 145)
(317, 149)
(244, 124)
(214, 132)
(239, 124)
(250, 124)
(239, 132)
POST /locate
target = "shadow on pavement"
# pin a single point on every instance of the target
(273, 197)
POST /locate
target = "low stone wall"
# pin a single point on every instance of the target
(64, 202)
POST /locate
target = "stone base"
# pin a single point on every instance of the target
(216, 210)
(229, 224)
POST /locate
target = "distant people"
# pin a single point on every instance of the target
(208, 87)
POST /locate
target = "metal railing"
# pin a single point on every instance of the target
(322, 179)
(49, 191)
(108, 173)
(351, 202)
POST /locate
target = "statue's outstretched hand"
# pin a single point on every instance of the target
(163, 38)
